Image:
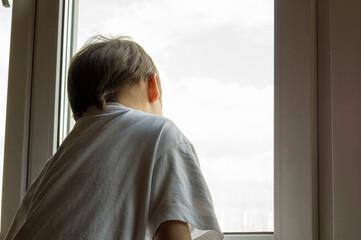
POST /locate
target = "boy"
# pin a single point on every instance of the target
(124, 171)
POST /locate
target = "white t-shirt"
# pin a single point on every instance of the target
(119, 174)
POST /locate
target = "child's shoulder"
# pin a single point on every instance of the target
(163, 128)
(163, 124)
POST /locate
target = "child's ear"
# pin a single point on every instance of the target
(153, 91)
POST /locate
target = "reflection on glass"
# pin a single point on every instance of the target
(5, 23)
(215, 60)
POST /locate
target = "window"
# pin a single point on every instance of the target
(5, 23)
(215, 60)
(32, 119)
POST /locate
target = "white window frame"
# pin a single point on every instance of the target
(33, 111)
(32, 104)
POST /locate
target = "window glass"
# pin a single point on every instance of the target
(215, 60)
(5, 25)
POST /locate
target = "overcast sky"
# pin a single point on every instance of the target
(215, 60)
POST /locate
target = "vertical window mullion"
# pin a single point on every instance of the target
(45, 85)
(18, 110)
(69, 32)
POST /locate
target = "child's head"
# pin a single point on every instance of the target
(102, 68)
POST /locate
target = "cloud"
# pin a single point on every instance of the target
(221, 119)
(193, 37)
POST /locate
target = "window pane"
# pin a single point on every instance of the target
(215, 60)
(5, 24)
(66, 121)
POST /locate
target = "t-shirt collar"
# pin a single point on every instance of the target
(109, 108)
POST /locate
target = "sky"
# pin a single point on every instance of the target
(215, 60)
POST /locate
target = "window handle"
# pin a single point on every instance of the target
(6, 3)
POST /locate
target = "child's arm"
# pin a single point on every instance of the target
(173, 230)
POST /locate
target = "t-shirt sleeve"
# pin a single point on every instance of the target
(179, 192)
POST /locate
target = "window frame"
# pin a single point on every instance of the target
(33, 111)
(32, 102)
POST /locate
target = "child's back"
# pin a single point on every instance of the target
(119, 174)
